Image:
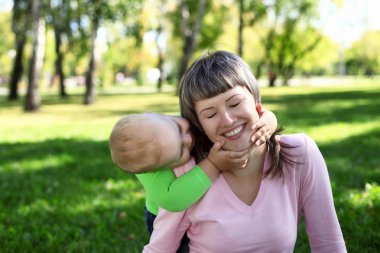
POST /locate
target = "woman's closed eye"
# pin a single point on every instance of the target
(208, 113)
(235, 104)
(211, 116)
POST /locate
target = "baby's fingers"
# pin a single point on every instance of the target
(261, 136)
(258, 124)
(218, 145)
(236, 154)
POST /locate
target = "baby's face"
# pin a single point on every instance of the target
(175, 139)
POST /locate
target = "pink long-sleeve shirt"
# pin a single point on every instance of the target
(221, 222)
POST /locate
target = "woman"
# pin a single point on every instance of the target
(257, 208)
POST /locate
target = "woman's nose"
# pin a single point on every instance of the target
(227, 119)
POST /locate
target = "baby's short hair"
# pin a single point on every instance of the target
(133, 149)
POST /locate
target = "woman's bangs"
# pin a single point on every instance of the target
(212, 83)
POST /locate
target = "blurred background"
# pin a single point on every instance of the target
(66, 44)
(70, 68)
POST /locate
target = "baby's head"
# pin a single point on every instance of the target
(147, 141)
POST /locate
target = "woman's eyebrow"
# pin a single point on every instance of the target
(208, 108)
(232, 97)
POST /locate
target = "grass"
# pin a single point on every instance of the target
(60, 191)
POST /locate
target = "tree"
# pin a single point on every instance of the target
(363, 57)
(250, 12)
(6, 44)
(190, 25)
(99, 11)
(32, 101)
(284, 44)
(322, 59)
(89, 97)
(291, 50)
(61, 17)
(155, 15)
(160, 62)
(20, 23)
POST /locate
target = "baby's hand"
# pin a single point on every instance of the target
(262, 129)
(262, 132)
(227, 160)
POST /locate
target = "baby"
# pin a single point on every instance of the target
(152, 145)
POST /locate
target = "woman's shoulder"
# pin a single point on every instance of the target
(297, 139)
(297, 145)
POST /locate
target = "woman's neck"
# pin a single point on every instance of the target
(245, 183)
(254, 167)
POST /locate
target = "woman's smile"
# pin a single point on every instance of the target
(235, 133)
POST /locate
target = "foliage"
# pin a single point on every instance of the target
(61, 192)
(363, 58)
(6, 44)
(288, 22)
(322, 59)
(278, 36)
(211, 28)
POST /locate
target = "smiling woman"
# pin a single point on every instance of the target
(256, 208)
(228, 116)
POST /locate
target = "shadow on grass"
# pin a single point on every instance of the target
(353, 163)
(355, 160)
(65, 195)
(321, 108)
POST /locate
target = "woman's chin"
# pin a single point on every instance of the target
(238, 146)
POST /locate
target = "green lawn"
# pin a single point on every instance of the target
(60, 191)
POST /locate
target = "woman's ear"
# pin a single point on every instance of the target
(259, 109)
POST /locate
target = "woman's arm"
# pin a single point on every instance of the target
(169, 229)
(317, 203)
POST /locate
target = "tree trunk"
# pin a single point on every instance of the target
(160, 63)
(59, 62)
(241, 27)
(89, 97)
(259, 69)
(32, 101)
(272, 82)
(190, 34)
(18, 67)
(272, 77)
(188, 50)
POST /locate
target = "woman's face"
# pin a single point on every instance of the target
(229, 116)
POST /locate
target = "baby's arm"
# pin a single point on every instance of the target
(176, 194)
(172, 193)
(264, 127)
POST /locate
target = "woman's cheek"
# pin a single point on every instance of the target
(210, 130)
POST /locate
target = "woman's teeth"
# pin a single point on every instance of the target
(234, 132)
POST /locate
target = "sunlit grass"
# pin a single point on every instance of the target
(336, 132)
(60, 191)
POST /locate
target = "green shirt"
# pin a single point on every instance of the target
(164, 189)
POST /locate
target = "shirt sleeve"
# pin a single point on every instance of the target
(317, 203)
(169, 228)
(172, 193)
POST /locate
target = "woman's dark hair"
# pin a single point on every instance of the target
(213, 74)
